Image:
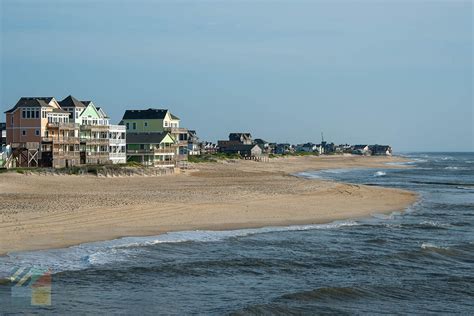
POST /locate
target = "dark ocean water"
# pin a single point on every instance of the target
(421, 261)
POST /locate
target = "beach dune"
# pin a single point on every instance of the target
(40, 212)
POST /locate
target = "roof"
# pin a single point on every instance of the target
(174, 117)
(101, 111)
(145, 138)
(31, 102)
(240, 147)
(380, 147)
(240, 134)
(150, 114)
(359, 146)
(260, 141)
(59, 111)
(71, 102)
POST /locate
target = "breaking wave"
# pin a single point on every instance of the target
(104, 252)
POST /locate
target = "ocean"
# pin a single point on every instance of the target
(420, 261)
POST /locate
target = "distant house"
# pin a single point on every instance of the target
(266, 148)
(381, 150)
(193, 143)
(282, 149)
(222, 144)
(152, 149)
(361, 150)
(243, 138)
(208, 148)
(308, 147)
(246, 151)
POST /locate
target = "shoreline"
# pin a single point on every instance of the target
(214, 196)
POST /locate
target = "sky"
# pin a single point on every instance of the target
(386, 72)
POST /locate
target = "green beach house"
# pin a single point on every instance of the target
(157, 121)
(152, 149)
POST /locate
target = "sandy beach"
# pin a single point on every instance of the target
(40, 212)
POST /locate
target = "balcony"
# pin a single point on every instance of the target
(176, 130)
(117, 155)
(92, 154)
(61, 140)
(167, 151)
(95, 127)
(63, 125)
(98, 141)
(116, 141)
(66, 154)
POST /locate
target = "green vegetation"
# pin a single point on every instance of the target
(301, 153)
(212, 157)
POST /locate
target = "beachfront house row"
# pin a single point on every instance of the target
(45, 132)
(158, 121)
(152, 149)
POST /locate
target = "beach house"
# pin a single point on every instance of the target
(40, 134)
(194, 147)
(245, 151)
(152, 149)
(361, 150)
(242, 138)
(381, 150)
(158, 121)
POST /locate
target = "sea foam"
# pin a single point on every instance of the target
(87, 255)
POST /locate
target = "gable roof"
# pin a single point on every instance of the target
(149, 114)
(146, 138)
(71, 102)
(174, 117)
(101, 112)
(31, 102)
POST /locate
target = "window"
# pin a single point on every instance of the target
(23, 113)
(37, 132)
(134, 125)
(166, 123)
(146, 124)
(23, 132)
(128, 126)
